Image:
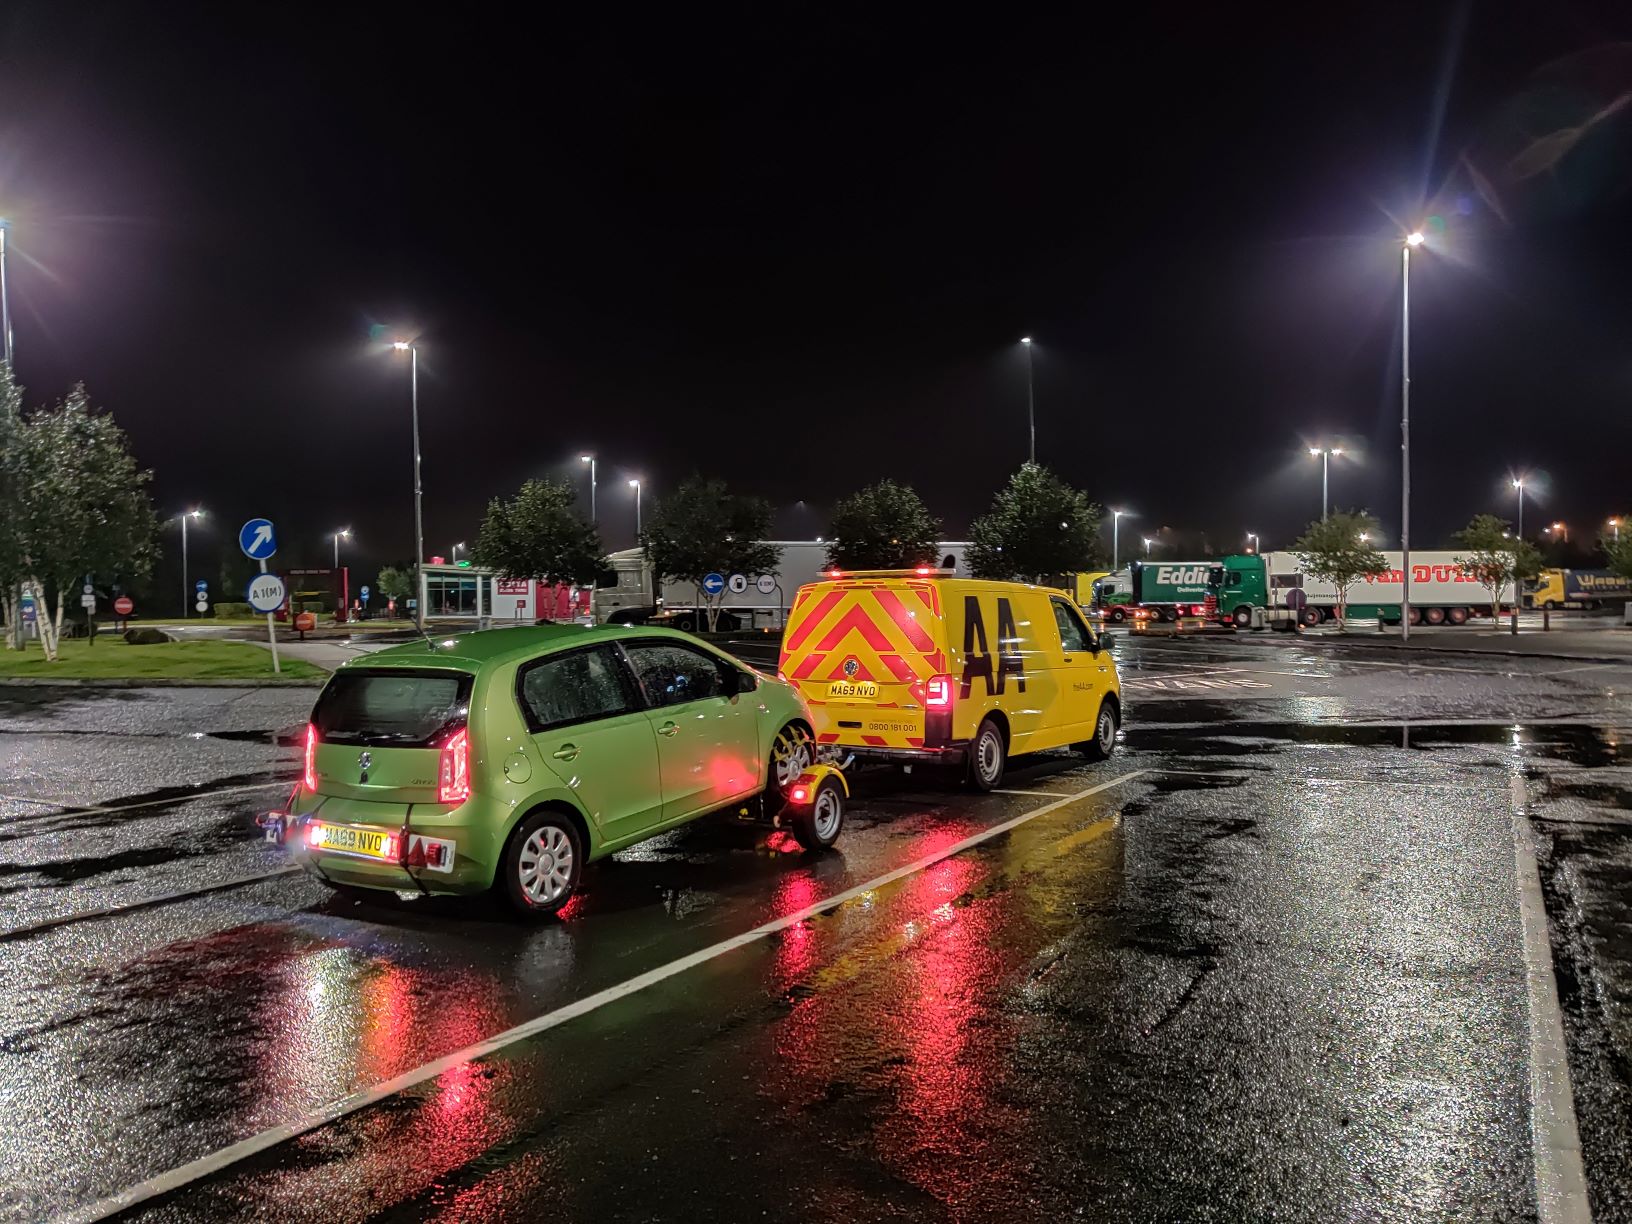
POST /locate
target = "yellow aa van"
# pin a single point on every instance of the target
(918, 665)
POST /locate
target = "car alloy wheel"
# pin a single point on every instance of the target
(545, 865)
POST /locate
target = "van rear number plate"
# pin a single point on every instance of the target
(853, 688)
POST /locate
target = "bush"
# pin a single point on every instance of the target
(146, 637)
(234, 609)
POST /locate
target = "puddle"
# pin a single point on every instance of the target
(283, 739)
(1576, 744)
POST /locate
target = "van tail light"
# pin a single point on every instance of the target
(938, 692)
(453, 771)
(309, 780)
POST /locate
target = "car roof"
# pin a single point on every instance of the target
(472, 651)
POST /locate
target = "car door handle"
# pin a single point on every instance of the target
(567, 752)
(1068, 658)
(668, 728)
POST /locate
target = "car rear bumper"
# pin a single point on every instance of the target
(449, 853)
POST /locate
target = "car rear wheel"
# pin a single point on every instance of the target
(792, 752)
(817, 827)
(1242, 616)
(1104, 741)
(1119, 613)
(988, 757)
(542, 864)
(1310, 617)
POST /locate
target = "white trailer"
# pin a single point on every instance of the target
(764, 602)
(1441, 590)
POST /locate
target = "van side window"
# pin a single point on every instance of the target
(1074, 635)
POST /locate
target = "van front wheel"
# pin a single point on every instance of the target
(1104, 741)
(988, 757)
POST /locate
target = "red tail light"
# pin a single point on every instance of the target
(799, 794)
(938, 692)
(453, 771)
(310, 779)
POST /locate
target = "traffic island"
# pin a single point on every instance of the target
(110, 660)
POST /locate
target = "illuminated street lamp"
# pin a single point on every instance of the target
(406, 346)
(1325, 456)
(1116, 536)
(1615, 526)
(5, 304)
(635, 485)
(1147, 546)
(343, 533)
(186, 586)
(1031, 399)
(1413, 239)
(1518, 487)
(590, 459)
(456, 549)
(1559, 529)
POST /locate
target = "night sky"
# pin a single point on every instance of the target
(795, 246)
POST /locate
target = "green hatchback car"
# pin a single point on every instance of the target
(510, 758)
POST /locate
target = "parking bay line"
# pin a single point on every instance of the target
(69, 809)
(1555, 1139)
(206, 1166)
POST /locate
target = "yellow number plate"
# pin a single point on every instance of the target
(344, 839)
(866, 689)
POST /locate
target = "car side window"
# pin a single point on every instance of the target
(673, 674)
(579, 687)
(1074, 635)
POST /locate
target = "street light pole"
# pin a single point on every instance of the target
(1031, 399)
(1412, 239)
(1253, 536)
(1147, 546)
(1116, 539)
(419, 519)
(5, 301)
(635, 485)
(1325, 477)
(1518, 486)
(590, 459)
(186, 586)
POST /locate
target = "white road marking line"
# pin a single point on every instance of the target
(1555, 1141)
(107, 911)
(205, 1166)
(69, 809)
(26, 799)
(1042, 794)
(1565, 671)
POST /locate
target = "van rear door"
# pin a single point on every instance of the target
(862, 653)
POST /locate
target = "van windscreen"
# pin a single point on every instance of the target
(401, 709)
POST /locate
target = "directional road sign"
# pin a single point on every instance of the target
(258, 539)
(201, 586)
(87, 601)
(363, 592)
(738, 583)
(265, 592)
(713, 584)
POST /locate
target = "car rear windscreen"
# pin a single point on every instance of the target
(403, 709)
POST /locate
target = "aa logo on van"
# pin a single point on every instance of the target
(977, 655)
(851, 667)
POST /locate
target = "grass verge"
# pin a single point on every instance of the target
(112, 659)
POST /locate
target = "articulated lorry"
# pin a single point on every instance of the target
(1273, 589)
(1160, 590)
(1564, 588)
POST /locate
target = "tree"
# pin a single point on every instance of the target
(1619, 552)
(84, 508)
(884, 526)
(12, 564)
(702, 528)
(394, 583)
(1494, 557)
(1338, 550)
(538, 534)
(1038, 527)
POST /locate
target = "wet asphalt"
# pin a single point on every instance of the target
(1270, 967)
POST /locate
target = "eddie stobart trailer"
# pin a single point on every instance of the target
(1164, 590)
(1442, 592)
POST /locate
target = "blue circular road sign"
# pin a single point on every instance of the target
(201, 585)
(258, 539)
(713, 584)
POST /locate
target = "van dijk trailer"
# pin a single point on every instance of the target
(1163, 590)
(1441, 591)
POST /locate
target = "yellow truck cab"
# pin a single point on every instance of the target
(918, 665)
